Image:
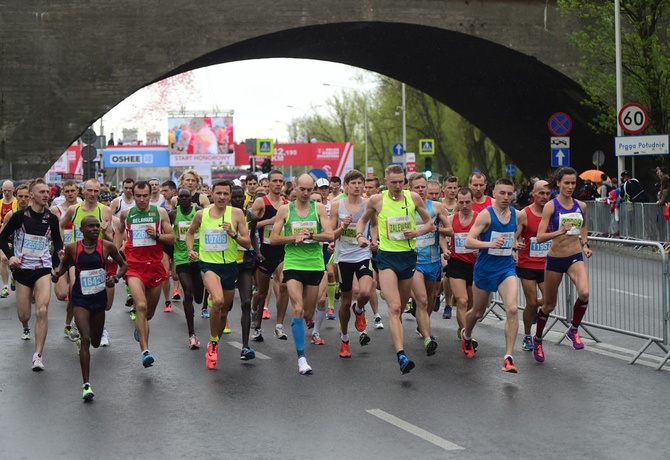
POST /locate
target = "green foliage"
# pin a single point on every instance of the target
(645, 57)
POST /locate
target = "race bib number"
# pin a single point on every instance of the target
(298, 226)
(182, 228)
(506, 249)
(575, 218)
(538, 249)
(67, 236)
(459, 244)
(395, 227)
(140, 236)
(34, 245)
(349, 235)
(216, 239)
(92, 281)
(425, 241)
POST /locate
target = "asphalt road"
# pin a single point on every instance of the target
(586, 403)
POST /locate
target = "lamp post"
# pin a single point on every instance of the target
(621, 161)
(365, 119)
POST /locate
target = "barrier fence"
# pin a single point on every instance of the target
(629, 285)
(642, 221)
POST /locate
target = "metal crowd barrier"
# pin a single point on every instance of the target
(642, 221)
(629, 293)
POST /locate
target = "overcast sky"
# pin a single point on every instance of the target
(259, 92)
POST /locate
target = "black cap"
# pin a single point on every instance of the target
(625, 173)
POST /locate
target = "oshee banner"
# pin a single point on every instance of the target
(201, 135)
(334, 158)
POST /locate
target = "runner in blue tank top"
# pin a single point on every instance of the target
(495, 269)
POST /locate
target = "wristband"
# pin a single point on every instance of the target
(586, 243)
(116, 279)
(157, 237)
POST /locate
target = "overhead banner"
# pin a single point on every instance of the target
(134, 156)
(201, 135)
(193, 161)
(336, 158)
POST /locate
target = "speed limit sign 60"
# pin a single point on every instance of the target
(633, 118)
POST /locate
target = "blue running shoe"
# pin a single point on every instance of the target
(147, 359)
(247, 354)
(136, 335)
(405, 363)
(204, 313)
(527, 343)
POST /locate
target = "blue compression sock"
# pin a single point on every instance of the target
(298, 330)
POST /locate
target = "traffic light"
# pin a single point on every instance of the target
(266, 167)
(428, 170)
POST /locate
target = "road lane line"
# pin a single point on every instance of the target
(415, 430)
(619, 291)
(238, 345)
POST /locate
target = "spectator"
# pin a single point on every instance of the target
(606, 186)
(631, 190)
(588, 191)
(613, 200)
(664, 185)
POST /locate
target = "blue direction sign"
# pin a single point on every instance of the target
(560, 157)
(398, 149)
(510, 170)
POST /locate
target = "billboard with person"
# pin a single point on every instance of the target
(201, 135)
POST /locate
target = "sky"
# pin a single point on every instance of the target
(259, 91)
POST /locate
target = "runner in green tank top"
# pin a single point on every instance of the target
(301, 226)
(222, 229)
(188, 272)
(396, 260)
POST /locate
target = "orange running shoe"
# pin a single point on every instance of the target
(317, 340)
(361, 321)
(344, 350)
(168, 307)
(266, 313)
(467, 348)
(508, 365)
(212, 355)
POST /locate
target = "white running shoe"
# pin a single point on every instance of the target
(74, 333)
(38, 366)
(104, 340)
(303, 367)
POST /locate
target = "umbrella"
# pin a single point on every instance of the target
(593, 175)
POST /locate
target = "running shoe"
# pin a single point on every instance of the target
(344, 350)
(446, 314)
(175, 295)
(4, 293)
(74, 333)
(309, 323)
(458, 332)
(280, 334)
(430, 345)
(338, 294)
(363, 339)
(104, 339)
(378, 323)
(37, 363)
(133, 314)
(226, 328)
(212, 355)
(129, 301)
(317, 340)
(538, 351)
(527, 343)
(193, 342)
(66, 331)
(303, 367)
(87, 392)
(136, 335)
(168, 307)
(266, 313)
(508, 365)
(147, 359)
(26, 334)
(330, 314)
(361, 321)
(247, 353)
(467, 348)
(436, 305)
(204, 313)
(12, 285)
(257, 335)
(573, 336)
(406, 364)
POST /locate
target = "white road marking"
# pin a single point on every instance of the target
(619, 291)
(238, 345)
(415, 430)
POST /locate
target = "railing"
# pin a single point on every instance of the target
(629, 285)
(642, 221)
